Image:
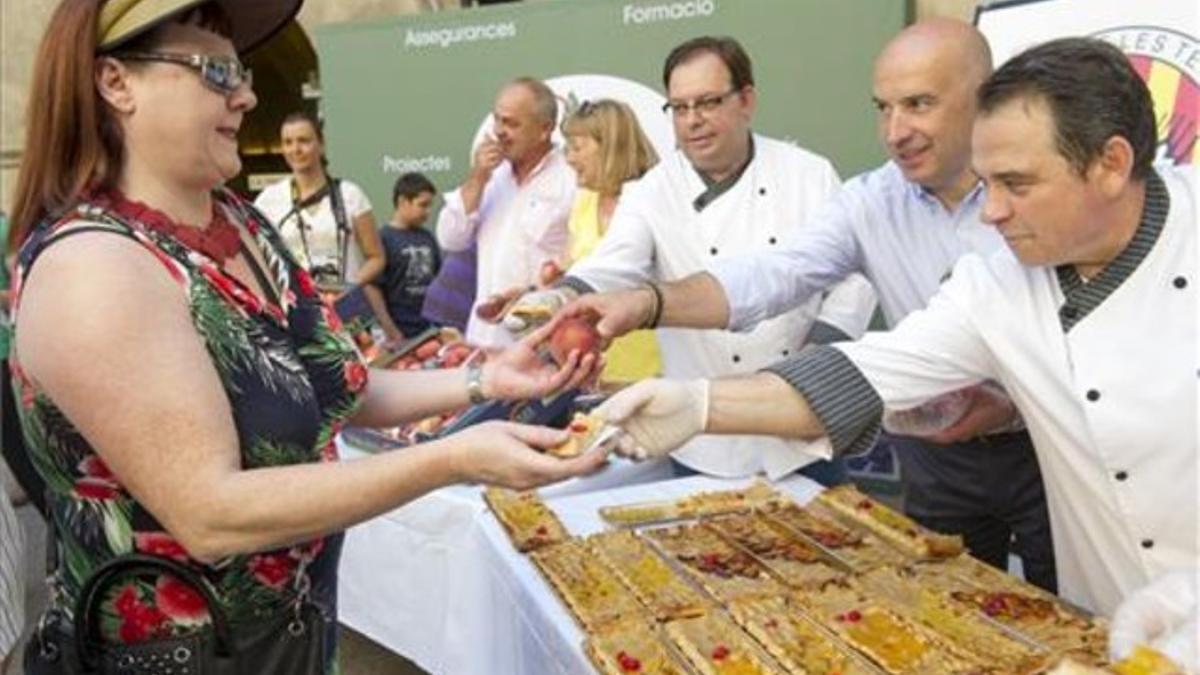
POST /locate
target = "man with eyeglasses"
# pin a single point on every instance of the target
(725, 191)
(903, 226)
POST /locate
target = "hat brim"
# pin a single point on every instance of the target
(254, 21)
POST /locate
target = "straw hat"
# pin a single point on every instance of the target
(253, 20)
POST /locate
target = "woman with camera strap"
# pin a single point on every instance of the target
(326, 222)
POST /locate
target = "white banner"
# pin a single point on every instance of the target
(1159, 36)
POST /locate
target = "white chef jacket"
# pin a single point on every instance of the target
(518, 227)
(656, 233)
(1111, 404)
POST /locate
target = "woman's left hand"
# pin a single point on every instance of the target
(523, 372)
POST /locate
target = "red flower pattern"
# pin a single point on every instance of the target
(95, 467)
(96, 488)
(331, 318)
(139, 621)
(160, 544)
(273, 570)
(180, 602)
(305, 283)
(356, 375)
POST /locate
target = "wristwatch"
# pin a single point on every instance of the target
(475, 384)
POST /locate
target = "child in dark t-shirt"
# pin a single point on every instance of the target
(413, 257)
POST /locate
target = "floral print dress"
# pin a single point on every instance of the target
(292, 378)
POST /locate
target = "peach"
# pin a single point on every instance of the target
(573, 333)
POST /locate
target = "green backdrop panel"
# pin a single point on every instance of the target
(411, 93)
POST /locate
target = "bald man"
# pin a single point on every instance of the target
(513, 206)
(903, 226)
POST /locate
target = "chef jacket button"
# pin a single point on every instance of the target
(1093, 395)
(1121, 475)
(762, 191)
(771, 241)
(787, 352)
(737, 359)
(1180, 282)
(1147, 543)
(713, 250)
(1069, 312)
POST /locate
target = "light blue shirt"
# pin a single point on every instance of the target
(894, 232)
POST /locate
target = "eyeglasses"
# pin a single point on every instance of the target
(705, 105)
(222, 73)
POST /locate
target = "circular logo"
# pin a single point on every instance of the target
(1168, 61)
(646, 104)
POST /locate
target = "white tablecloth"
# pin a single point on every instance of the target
(410, 579)
(439, 581)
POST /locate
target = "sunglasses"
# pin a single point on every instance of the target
(222, 73)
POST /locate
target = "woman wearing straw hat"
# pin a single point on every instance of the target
(178, 379)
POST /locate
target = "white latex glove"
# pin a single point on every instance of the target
(658, 415)
(1164, 616)
(534, 309)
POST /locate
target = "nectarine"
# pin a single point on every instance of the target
(573, 333)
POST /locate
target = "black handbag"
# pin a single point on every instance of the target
(291, 641)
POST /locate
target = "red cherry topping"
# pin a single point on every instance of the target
(720, 652)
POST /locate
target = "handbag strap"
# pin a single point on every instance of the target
(137, 563)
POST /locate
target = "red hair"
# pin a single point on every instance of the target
(71, 139)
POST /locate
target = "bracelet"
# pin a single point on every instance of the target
(647, 322)
(475, 384)
(658, 306)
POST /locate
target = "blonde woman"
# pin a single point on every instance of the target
(607, 148)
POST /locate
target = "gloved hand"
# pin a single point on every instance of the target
(535, 308)
(1163, 615)
(658, 415)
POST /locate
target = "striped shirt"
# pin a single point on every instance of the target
(12, 588)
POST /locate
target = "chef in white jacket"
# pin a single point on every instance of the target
(1089, 321)
(725, 191)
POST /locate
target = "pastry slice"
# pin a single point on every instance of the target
(595, 596)
(692, 506)
(858, 549)
(793, 560)
(967, 628)
(1143, 661)
(653, 581)
(798, 644)
(529, 522)
(533, 314)
(895, 643)
(893, 527)
(1023, 607)
(713, 645)
(631, 647)
(583, 432)
(721, 568)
